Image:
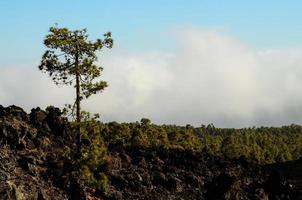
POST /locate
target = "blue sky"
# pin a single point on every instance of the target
(233, 63)
(139, 24)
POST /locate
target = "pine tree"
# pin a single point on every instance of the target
(70, 60)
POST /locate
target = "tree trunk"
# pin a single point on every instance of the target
(78, 100)
(78, 107)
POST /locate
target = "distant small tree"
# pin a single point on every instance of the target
(69, 60)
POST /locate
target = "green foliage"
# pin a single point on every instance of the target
(264, 144)
(65, 48)
(146, 134)
(145, 122)
(99, 181)
(115, 133)
(102, 181)
(93, 153)
(69, 59)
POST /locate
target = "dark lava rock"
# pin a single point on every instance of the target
(32, 167)
(175, 174)
(24, 169)
(219, 186)
(76, 190)
(13, 111)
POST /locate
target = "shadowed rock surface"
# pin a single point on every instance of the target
(137, 173)
(292, 170)
(28, 154)
(32, 167)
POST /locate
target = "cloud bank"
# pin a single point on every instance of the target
(208, 78)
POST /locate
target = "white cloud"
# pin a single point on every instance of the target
(28, 88)
(209, 78)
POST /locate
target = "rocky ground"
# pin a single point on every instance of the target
(31, 167)
(292, 170)
(29, 146)
(137, 173)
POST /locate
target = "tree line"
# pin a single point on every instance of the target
(263, 144)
